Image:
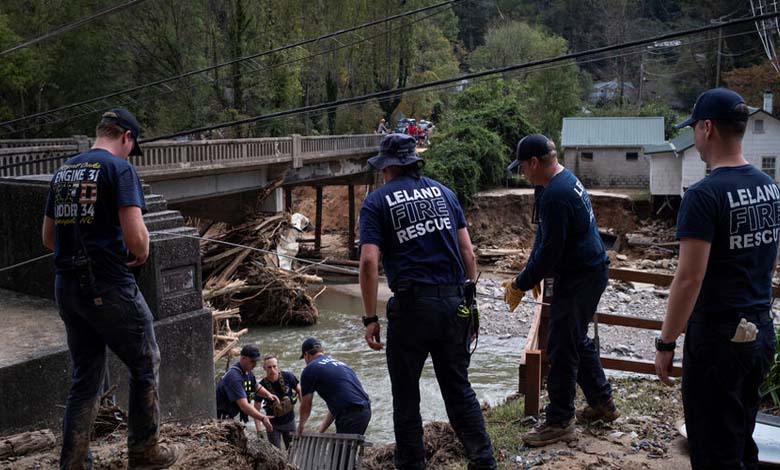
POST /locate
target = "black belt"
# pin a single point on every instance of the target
(440, 290)
(732, 317)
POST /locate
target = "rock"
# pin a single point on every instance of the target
(621, 257)
(625, 298)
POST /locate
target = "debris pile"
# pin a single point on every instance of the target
(242, 273)
(442, 449)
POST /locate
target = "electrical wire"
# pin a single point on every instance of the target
(71, 26)
(32, 260)
(469, 76)
(230, 62)
(230, 77)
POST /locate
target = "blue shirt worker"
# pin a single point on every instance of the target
(568, 248)
(238, 387)
(348, 403)
(280, 390)
(418, 227)
(94, 224)
(721, 295)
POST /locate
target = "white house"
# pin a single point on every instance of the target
(609, 151)
(675, 165)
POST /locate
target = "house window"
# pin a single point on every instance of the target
(632, 156)
(586, 155)
(758, 126)
(769, 165)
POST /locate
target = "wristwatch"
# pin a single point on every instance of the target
(369, 320)
(664, 347)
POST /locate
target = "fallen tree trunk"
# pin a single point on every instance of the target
(20, 444)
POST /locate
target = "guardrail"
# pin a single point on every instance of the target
(44, 156)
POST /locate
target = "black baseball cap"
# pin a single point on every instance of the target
(398, 150)
(125, 119)
(532, 145)
(718, 104)
(250, 351)
(309, 344)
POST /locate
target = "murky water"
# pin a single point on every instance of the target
(493, 371)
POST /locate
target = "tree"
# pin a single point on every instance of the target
(549, 95)
(752, 82)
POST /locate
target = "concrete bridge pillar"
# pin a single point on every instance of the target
(82, 142)
(296, 151)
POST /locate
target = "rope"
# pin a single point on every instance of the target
(8, 268)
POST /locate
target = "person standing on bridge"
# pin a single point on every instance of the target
(722, 290)
(382, 127)
(568, 247)
(94, 225)
(418, 227)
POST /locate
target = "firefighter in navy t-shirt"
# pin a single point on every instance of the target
(337, 384)
(721, 295)
(94, 224)
(568, 248)
(419, 228)
(238, 387)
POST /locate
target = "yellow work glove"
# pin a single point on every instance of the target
(512, 296)
(537, 291)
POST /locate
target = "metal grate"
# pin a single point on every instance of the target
(327, 451)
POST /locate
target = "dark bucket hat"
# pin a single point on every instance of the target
(396, 150)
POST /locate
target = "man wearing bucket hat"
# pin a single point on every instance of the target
(338, 385)
(721, 295)
(94, 225)
(568, 248)
(418, 226)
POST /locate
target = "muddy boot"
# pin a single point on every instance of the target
(158, 456)
(605, 413)
(550, 433)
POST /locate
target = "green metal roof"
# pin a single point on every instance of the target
(683, 141)
(612, 131)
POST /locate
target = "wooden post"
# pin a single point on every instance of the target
(288, 199)
(533, 382)
(351, 233)
(318, 222)
(548, 292)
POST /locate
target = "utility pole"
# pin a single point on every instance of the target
(641, 75)
(717, 67)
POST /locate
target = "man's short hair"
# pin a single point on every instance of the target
(269, 356)
(109, 130)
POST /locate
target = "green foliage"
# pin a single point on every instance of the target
(770, 389)
(454, 164)
(548, 95)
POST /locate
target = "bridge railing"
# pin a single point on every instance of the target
(31, 157)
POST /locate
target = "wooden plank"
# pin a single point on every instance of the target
(351, 228)
(318, 221)
(633, 275)
(288, 199)
(225, 350)
(629, 321)
(640, 367)
(533, 384)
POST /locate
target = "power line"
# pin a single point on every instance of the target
(510, 68)
(230, 62)
(71, 26)
(538, 65)
(230, 77)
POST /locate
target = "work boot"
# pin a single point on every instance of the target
(546, 433)
(606, 413)
(157, 456)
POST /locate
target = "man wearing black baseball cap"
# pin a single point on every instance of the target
(418, 228)
(721, 295)
(338, 385)
(94, 224)
(238, 387)
(567, 248)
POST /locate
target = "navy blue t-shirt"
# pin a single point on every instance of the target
(737, 210)
(567, 237)
(290, 382)
(94, 184)
(235, 385)
(415, 222)
(335, 382)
